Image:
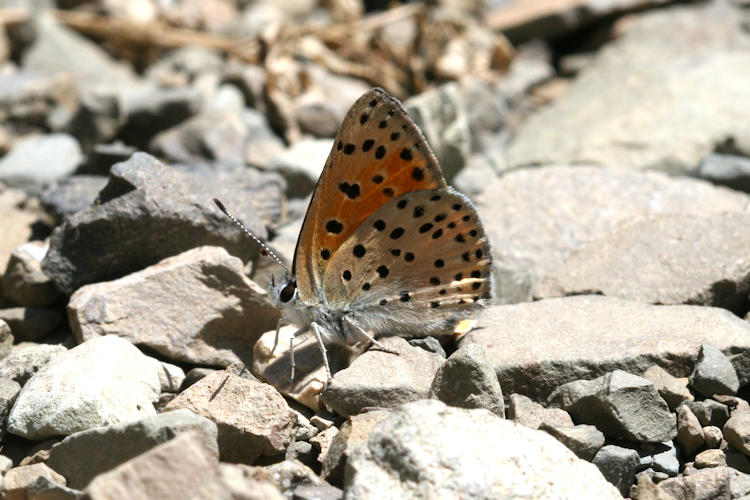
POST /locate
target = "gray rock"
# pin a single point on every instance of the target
(57, 49)
(712, 436)
(182, 467)
(689, 432)
(426, 449)
(697, 44)
(301, 165)
(185, 63)
(560, 340)
(526, 412)
(171, 377)
(26, 358)
(148, 212)
(44, 488)
(31, 323)
(290, 475)
(40, 159)
(253, 419)
(381, 379)
(714, 373)
(618, 466)
(24, 282)
(705, 484)
(9, 390)
(468, 380)
(429, 344)
(354, 433)
(83, 455)
(672, 389)
(613, 197)
(710, 458)
(208, 327)
(194, 375)
(217, 134)
(736, 431)
(725, 170)
(261, 144)
(17, 480)
(619, 404)
(238, 481)
(441, 114)
(72, 194)
(29, 101)
(709, 412)
(583, 440)
(97, 120)
(660, 457)
(103, 381)
(6, 339)
(668, 259)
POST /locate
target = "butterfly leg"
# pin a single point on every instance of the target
(363, 333)
(316, 329)
(281, 322)
(291, 350)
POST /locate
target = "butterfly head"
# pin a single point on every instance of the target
(285, 291)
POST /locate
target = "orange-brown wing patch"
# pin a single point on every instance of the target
(378, 154)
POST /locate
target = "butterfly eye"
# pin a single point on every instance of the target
(287, 292)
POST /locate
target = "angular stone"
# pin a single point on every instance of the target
(619, 404)
(43, 488)
(6, 339)
(40, 159)
(180, 468)
(714, 373)
(31, 323)
(354, 432)
(672, 389)
(429, 344)
(243, 482)
(583, 440)
(148, 212)
(24, 282)
(437, 448)
(322, 442)
(709, 412)
(667, 259)
(689, 432)
(194, 375)
(253, 419)
(71, 194)
(9, 390)
(103, 381)
(17, 480)
(613, 197)
(468, 380)
(528, 413)
(171, 377)
(679, 50)
(710, 458)
(382, 379)
(210, 326)
(737, 431)
(705, 484)
(712, 436)
(554, 339)
(618, 465)
(26, 358)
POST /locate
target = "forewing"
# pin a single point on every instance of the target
(378, 155)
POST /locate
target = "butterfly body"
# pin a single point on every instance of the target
(386, 247)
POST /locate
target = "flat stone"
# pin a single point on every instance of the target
(468, 380)
(670, 90)
(24, 283)
(618, 465)
(672, 389)
(429, 344)
(381, 379)
(17, 480)
(660, 457)
(83, 455)
(148, 212)
(26, 358)
(709, 412)
(208, 327)
(725, 170)
(619, 404)
(583, 440)
(30, 324)
(179, 468)
(613, 197)
(354, 433)
(714, 373)
(71, 194)
(559, 340)
(40, 159)
(710, 458)
(440, 449)
(253, 419)
(689, 432)
(103, 381)
(668, 259)
(533, 415)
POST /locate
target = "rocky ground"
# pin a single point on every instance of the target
(607, 148)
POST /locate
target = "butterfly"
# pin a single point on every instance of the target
(386, 246)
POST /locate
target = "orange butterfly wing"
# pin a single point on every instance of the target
(378, 154)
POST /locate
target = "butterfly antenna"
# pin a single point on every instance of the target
(264, 250)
